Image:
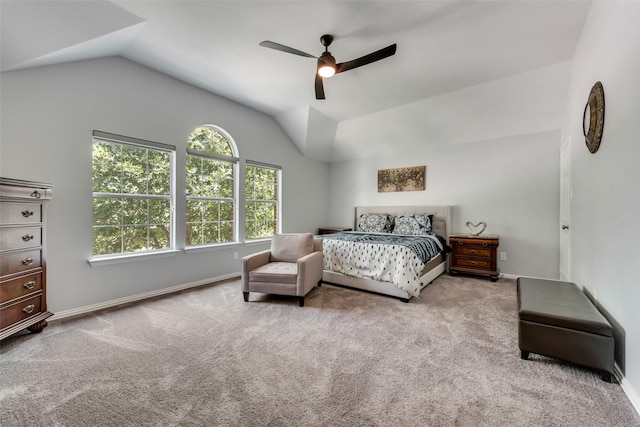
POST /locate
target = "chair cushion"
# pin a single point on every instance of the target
(275, 272)
(291, 247)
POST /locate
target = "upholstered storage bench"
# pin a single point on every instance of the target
(556, 319)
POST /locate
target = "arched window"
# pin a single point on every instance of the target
(211, 172)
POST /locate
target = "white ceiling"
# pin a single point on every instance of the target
(443, 46)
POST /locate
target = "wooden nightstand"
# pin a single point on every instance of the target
(331, 230)
(474, 254)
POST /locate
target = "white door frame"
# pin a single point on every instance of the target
(566, 194)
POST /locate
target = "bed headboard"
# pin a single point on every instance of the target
(441, 215)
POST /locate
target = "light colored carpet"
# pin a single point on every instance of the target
(204, 357)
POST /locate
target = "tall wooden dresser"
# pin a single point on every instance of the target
(23, 278)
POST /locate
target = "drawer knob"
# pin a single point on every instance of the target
(36, 194)
(484, 243)
(27, 213)
(473, 263)
(27, 237)
(472, 251)
(30, 285)
(27, 261)
(460, 242)
(28, 309)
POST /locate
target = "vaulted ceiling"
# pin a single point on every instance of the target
(443, 46)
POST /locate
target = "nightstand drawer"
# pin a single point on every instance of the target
(476, 251)
(332, 230)
(20, 311)
(458, 241)
(480, 264)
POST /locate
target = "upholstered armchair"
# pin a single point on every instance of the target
(293, 266)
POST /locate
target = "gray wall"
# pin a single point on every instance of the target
(508, 177)
(48, 115)
(606, 201)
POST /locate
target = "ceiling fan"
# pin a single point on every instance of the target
(327, 66)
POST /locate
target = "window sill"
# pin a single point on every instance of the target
(257, 241)
(119, 259)
(216, 247)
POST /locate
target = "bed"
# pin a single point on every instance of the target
(340, 268)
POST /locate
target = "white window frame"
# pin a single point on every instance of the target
(122, 256)
(234, 161)
(278, 201)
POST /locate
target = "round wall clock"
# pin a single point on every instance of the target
(593, 118)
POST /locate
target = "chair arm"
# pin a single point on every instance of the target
(309, 272)
(251, 262)
(257, 259)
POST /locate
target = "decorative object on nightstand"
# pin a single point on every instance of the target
(331, 230)
(474, 254)
(476, 229)
(23, 302)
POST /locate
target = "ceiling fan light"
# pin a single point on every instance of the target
(326, 70)
(326, 65)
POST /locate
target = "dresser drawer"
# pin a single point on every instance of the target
(17, 288)
(20, 311)
(476, 251)
(20, 237)
(16, 189)
(20, 213)
(15, 262)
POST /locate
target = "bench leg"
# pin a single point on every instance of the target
(524, 355)
(245, 295)
(606, 376)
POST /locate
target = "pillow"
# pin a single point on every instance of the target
(291, 247)
(375, 223)
(416, 224)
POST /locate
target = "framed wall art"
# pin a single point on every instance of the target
(402, 179)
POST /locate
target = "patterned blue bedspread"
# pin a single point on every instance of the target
(425, 247)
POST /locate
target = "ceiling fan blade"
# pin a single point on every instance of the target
(319, 87)
(367, 59)
(283, 48)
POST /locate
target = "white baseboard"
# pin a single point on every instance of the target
(515, 276)
(628, 389)
(133, 298)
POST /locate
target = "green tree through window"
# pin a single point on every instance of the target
(211, 167)
(132, 197)
(262, 201)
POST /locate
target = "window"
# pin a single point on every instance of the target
(262, 200)
(132, 195)
(211, 187)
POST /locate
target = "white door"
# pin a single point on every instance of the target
(565, 211)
